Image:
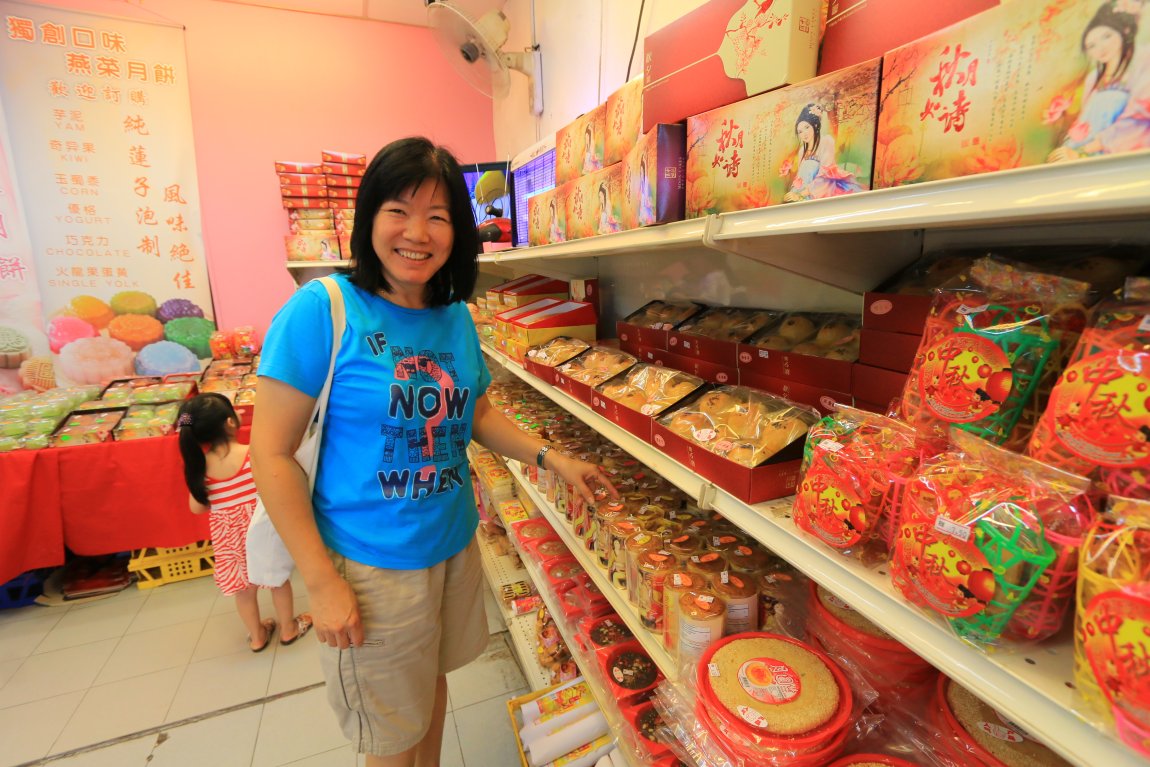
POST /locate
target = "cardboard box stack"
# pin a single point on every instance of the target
(611, 176)
(320, 200)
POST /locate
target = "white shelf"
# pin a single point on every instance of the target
(521, 628)
(498, 570)
(856, 241)
(675, 235)
(616, 596)
(608, 705)
(1028, 685)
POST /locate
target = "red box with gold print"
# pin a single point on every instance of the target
(877, 385)
(708, 371)
(726, 51)
(818, 397)
(351, 158)
(343, 169)
(579, 145)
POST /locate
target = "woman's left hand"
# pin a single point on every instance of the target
(583, 476)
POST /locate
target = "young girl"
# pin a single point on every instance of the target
(219, 477)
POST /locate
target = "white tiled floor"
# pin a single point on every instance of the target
(163, 678)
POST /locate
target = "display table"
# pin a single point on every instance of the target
(94, 499)
(31, 526)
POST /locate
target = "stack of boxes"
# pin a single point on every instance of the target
(609, 174)
(320, 201)
(533, 309)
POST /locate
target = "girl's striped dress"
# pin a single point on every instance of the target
(232, 502)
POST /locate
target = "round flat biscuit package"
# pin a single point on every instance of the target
(774, 698)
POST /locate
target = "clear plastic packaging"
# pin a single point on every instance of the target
(650, 389)
(988, 350)
(743, 425)
(1097, 422)
(1111, 620)
(855, 469)
(557, 351)
(596, 365)
(833, 336)
(976, 541)
(663, 315)
(728, 323)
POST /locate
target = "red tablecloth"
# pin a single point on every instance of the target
(93, 499)
(118, 496)
(31, 528)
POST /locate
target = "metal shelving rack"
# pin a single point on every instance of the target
(1031, 686)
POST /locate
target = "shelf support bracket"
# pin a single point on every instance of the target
(707, 496)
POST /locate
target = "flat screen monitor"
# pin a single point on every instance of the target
(532, 177)
(489, 188)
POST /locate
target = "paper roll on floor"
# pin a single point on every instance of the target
(578, 733)
(552, 723)
(558, 700)
(587, 755)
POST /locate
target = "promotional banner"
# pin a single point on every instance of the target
(22, 340)
(104, 156)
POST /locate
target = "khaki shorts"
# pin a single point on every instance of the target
(417, 624)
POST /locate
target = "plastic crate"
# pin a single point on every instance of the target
(150, 557)
(23, 589)
(172, 570)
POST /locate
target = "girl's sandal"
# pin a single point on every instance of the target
(270, 629)
(302, 626)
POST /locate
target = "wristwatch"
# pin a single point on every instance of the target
(541, 455)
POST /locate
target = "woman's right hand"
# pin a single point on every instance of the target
(335, 613)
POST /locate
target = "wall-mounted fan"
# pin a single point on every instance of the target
(475, 48)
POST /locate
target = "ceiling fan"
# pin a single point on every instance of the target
(475, 48)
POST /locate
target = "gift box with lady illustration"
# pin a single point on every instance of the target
(595, 203)
(1022, 84)
(808, 141)
(579, 146)
(547, 216)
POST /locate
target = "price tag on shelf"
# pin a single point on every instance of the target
(952, 528)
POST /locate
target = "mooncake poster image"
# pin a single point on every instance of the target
(804, 142)
(1020, 85)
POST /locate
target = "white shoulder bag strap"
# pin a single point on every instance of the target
(268, 560)
(314, 433)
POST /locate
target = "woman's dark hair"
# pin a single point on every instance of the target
(203, 420)
(399, 167)
(1125, 24)
(811, 118)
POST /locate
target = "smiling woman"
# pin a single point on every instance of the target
(386, 544)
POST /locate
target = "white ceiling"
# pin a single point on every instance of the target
(397, 11)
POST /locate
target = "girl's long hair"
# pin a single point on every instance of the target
(1126, 25)
(203, 422)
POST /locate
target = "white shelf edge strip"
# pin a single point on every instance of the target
(1003, 679)
(1101, 187)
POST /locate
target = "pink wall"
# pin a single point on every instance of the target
(271, 85)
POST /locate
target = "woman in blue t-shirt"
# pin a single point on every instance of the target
(385, 544)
